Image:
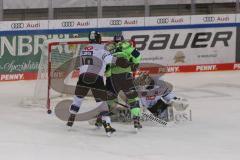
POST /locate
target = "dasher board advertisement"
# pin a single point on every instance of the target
(186, 46)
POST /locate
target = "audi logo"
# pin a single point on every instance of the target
(209, 19)
(68, 24)
(162, 20)
(115, 22)
(17, 25)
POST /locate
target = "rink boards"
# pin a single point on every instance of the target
(181, 43)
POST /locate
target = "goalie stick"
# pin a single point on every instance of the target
(148, 115)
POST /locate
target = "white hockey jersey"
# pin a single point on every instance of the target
(162, 90)
(94, 58)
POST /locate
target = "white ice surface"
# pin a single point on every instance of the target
(214, 133)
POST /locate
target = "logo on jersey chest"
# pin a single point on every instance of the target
(88, 48)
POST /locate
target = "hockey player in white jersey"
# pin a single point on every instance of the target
(93, 61)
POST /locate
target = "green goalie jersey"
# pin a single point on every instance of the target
(126, 50)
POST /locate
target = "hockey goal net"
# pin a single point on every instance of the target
(58, 72)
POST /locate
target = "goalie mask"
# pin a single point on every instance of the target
(95, 37)
(144, 81)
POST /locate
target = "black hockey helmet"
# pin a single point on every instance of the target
(118, 38)
(95, 37)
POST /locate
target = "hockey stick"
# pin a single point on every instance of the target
(147, 115)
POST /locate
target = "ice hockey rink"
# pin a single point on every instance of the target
(213, 134)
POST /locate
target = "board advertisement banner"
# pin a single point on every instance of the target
(191, 45)
(23, 25)
(72, 23)
(121, 22)
(22, 53)
(213, 19)
(167, 20)
(186, 46)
